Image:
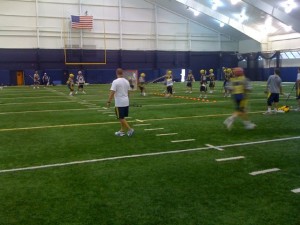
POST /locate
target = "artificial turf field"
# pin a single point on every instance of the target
(60, 162)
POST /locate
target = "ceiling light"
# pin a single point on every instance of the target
(288, 5)
(196, 12)
(234, 2)
(216, 4)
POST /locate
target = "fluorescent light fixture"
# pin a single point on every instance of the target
(196, 12)
(216, 4)
(288, 5)
(234, 2)
(222, 24)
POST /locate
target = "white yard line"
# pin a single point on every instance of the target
(296, 190)
(142, 155)
(230, 158)
(186, 140)
(214, 147)
(264, 171)
(50, 110)
(169, 134)
(150, 129)
(142, 124)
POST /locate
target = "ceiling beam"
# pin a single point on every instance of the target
(249, 31)
(276, 13)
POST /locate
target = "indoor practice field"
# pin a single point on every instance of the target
(62, 164)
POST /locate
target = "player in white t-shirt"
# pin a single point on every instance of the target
(119, 90)
(298, 89)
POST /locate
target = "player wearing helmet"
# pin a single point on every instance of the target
(212, 82)
(70, 84)
(36, 80)
(142, 83)
(189, 82)
(239, 86)
(80, 82)
(203, 83)
(228, 75)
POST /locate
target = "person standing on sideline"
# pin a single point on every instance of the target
(273, 89)
(120, 90)
(46, 80)
(70, 84)
(298, 89)
(239, 86)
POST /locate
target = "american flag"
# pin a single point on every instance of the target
(82, 22)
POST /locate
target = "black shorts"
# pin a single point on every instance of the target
(80, 85)
(273, 97)
(122, 112)
(170, 90)
(189, 84)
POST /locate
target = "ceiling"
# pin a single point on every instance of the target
(264, 18)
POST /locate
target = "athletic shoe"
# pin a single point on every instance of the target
(119, 133)
(228, 123)
(267, 113)
(250, 126)
(130, 132)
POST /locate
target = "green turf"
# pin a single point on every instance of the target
(47, 127)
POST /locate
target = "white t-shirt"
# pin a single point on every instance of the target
(121, 87)
(298, 77)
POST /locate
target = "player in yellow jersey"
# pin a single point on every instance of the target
(240, 87)
(70, 84)
(142, 84)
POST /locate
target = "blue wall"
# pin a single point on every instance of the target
(153, 63)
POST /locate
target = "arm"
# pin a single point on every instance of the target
(111, 95)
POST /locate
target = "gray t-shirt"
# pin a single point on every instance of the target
(274, 83)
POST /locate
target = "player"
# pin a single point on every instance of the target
(142, 83)
(212, 83)
(203, 83)
(36, 80)
(227, 77)
(239, 86)
(120, 91)
(70, 84)
(169, 84)
(273, 89)
(189, 82)
(80, 82)
(46, 80)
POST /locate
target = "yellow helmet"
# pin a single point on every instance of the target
(202, 71)
(143, 75)
(211, 70)
(71, 75)
(228, 70)
(169, 72)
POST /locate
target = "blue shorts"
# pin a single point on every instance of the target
(122, 112)
(273, 97)
(240, 102)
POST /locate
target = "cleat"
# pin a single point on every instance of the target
(119, 133)
(228, 123)
(130, 132)
(250, 126)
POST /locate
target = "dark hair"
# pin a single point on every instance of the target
(277, 71)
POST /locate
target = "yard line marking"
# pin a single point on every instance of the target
(230, 158)
(138, 156)
(49, 110)
(296, 190)
(154, 129)
(31, 103)
(214, 147)
(169, 134)
(142, 121)
(186, 140)
(264, 171)
(142, 124)
(111, 114)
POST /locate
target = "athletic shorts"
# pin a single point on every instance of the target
(211, 84)
(189, 84)
(240, 102)
(273, 97)
(122, 112)
(80, 85)
(203, 88)
(170, 90)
